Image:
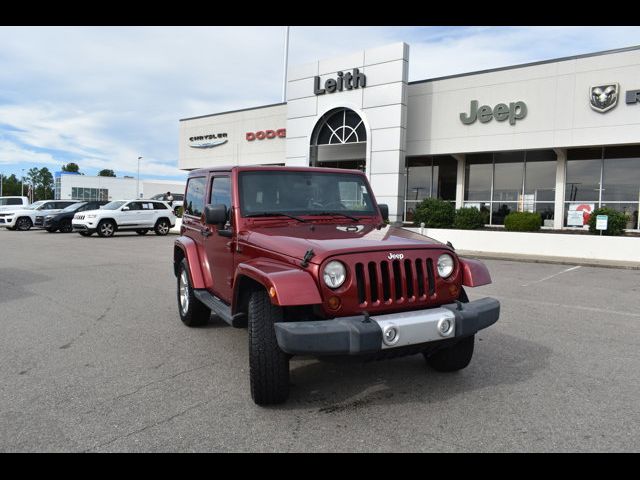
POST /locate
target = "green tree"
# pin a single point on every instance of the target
(33, 179)
(106, 173)
(10, 186)
(71, 167)
(44, 190)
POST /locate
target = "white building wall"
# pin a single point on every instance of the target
(153, 187)
(237, 150)
(557, 97)
(119, 188)
(382, 105)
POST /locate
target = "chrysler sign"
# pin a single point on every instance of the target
(208, 141)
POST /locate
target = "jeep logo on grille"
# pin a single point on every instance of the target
(395, 256)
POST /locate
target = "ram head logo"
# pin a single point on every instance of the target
(604, 97)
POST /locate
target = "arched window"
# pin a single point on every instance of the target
(340, 126)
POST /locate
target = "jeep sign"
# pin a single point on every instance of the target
(501, 112)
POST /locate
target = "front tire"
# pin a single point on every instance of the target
(268, 365)
(193, 312)
(23, 224)
(66, 227)
(453, 358)
(106, 228)
(52, 230)
(162, 227)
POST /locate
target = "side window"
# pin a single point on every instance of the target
(14, 201)
(194, 203)
(159, 206)
(221, 192)
(134, 206)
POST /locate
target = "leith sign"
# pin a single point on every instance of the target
(347, 81)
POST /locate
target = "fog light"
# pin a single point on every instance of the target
(445, 327)
(390, 335)
(334, 303)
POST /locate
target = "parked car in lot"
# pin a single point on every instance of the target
(62, 221)
(23, 218)
(303, 258)
(125, 215)
(178, 199)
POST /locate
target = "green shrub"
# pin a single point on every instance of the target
(179, 211)
(469, 219)
(523, 222)
(435, 213)
(616, 223)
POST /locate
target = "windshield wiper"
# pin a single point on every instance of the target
(275, 214)
(355, 219)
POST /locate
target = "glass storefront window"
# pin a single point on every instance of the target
(540, 175)
(419, 178)
(429, 177)
(619, 169)
(518, 181)
(583, 175)
(508, 176)
(621, 174)
(477, 178)
(445, 176)
(501, 210)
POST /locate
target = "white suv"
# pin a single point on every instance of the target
(23, 218)
(125, 215)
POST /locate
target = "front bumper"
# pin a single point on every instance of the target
(8, 221)
(81, 227)
(50, 223)
(359, 335)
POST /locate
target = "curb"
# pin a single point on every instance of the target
(583, 262)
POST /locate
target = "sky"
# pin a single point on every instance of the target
(103, 96)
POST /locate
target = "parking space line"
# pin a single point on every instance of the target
(551, 276)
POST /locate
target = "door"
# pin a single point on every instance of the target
(127, 217)
(146, 214)
(219, 248)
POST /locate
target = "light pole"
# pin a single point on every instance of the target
(22, 184)
(138, 183)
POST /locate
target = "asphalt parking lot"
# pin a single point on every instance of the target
(93, 357)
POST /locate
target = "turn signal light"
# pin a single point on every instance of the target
(334, 303)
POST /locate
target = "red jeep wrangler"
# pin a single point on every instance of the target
(304, 258)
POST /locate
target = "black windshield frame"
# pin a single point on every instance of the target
(314, 180)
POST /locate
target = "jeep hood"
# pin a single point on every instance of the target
(334, 239)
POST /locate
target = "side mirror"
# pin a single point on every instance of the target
(384, 211)
(215, 214)
(125, 208)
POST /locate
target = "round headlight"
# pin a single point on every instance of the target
(334, 274)
(445, 265)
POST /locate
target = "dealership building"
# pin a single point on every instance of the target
(558, 137)
(74, 186)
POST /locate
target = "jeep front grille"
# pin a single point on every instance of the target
(390, 281)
